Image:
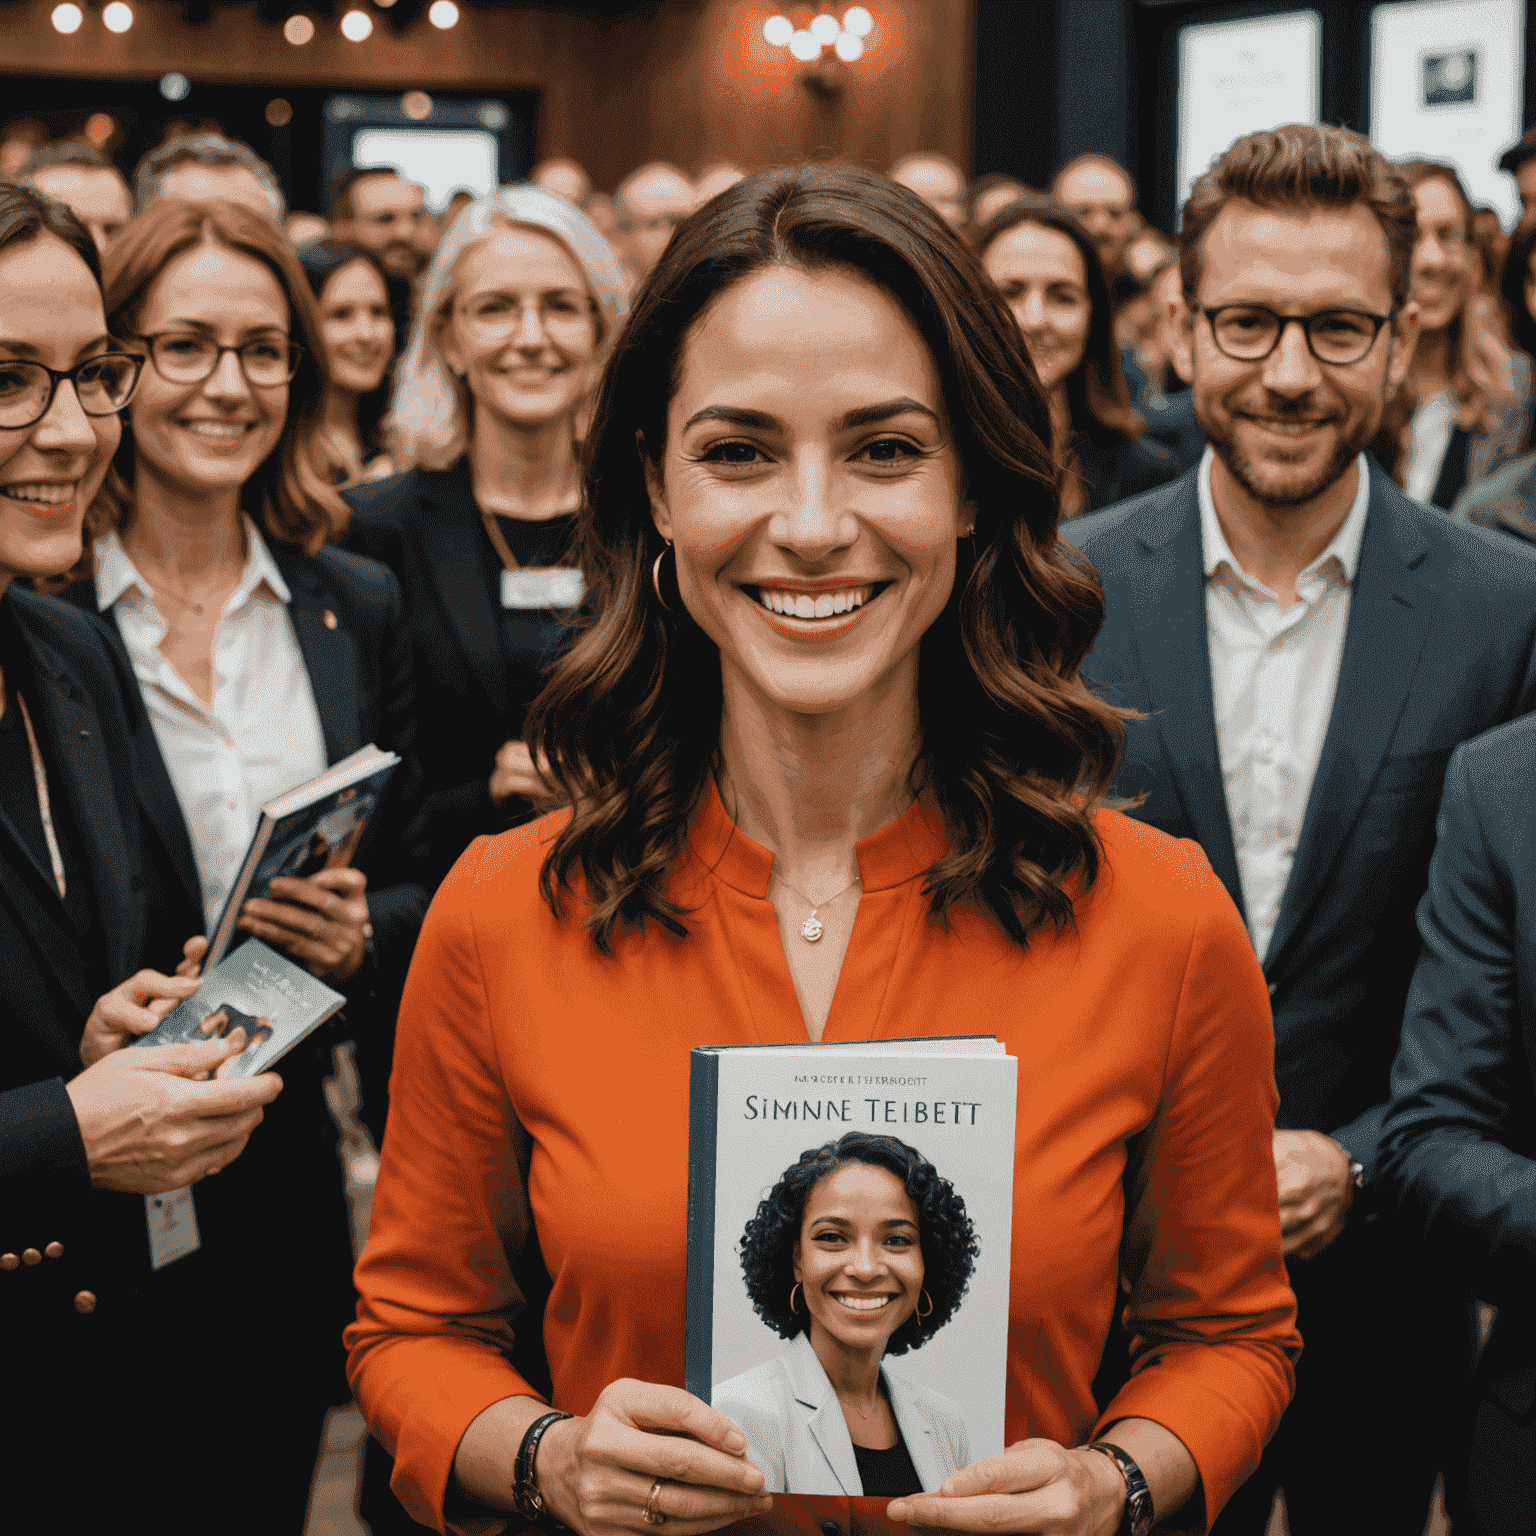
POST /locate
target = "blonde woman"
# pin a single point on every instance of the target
(517, 311)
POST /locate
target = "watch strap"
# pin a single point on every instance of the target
(525, 1486)
(1138, 1497)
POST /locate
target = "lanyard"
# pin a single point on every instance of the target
(45, 809)
(499, 542)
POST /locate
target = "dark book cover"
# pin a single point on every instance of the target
(319, 825)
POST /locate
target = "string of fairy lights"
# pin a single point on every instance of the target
(356, 25)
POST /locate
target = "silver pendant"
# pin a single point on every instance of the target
(810, 929)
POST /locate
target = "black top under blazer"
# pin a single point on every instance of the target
(90, 728)
(427, 527)
(1440, 646)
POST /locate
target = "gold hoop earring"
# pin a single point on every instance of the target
(656, 578)
(921, 1315)
(795, 1287)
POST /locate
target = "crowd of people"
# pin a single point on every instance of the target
(814, 604)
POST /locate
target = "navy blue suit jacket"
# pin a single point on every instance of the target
(1441, 646)
(1459, 1144)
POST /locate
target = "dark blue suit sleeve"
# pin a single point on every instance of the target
(39, 1133)
(1446, 1160)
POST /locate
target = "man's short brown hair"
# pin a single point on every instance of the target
(1299, 168)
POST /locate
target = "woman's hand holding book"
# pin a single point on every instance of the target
(321, 920)
(598, 1473)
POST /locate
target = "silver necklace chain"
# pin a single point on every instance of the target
(812, 928)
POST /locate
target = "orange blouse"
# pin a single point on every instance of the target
(534, 1077)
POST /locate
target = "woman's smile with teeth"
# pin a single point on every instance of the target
(219, 428)
(49, 494)
(862, 1303)
(821, 605)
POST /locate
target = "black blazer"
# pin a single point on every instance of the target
(1441, 645)
(90, 730)
(1459, 1140)
(426, 526)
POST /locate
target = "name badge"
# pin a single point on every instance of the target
(173, 1230)
(555, 586)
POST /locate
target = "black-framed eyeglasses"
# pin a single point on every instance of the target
(103, 385)
(1248, 333)
(184, 357)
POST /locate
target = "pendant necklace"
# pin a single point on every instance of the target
(811, 929)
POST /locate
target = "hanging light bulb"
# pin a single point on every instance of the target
(849, 47)
(858, 21)
(444, 14)
(117, 17)
(824, 29)
(67, 18)
(299, 30)
(356, 25)
(778, 30)
(804, 47)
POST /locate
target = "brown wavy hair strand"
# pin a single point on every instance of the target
(1017, 752)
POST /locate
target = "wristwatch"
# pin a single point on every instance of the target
(1138, 1497)
(525, 1486)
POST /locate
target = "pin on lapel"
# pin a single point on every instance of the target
(328, 619)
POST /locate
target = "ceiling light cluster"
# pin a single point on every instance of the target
(845, 38)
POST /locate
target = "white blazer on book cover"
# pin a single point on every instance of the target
(797, 1435)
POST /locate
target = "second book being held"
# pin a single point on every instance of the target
(849, 1225)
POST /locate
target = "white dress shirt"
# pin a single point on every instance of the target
(1274, 674)
(1429, 435)
(262, 735)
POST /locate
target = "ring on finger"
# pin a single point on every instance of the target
(650, 1514)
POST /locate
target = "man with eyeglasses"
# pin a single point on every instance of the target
(1309, 646)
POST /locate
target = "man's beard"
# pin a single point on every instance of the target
(1260, 482)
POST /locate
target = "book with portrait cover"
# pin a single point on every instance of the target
(849, 1221)
(319, 825)
(275, 1001)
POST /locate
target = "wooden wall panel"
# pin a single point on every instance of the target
(685, 80)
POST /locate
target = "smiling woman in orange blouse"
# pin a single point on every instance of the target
(832, 671)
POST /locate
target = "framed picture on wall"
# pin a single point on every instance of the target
(1449, 78)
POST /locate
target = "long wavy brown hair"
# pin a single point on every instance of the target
(288, 497)
(1016, 754)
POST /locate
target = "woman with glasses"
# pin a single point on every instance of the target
(1465, 407)
(351, 290)
(517, 310)
(262, 657)
(92, 925)
(1048, 270)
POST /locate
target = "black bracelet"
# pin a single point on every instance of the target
(525, 1486)
(1138, 1497)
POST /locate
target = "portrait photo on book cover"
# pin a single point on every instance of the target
(329, 842)
(860, 1254)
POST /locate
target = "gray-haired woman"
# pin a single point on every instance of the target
(517, 311)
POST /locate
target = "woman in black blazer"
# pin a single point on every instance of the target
(516, 312)
(98, 1363)
(1049, 273)
(260, 658)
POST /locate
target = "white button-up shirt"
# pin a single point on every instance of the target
(1274, 674)
(262, 735)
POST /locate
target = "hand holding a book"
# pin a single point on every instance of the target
(320, 919)
(596, 1473)
(133, 1008)
(151, 1120)
(1043, 1488)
